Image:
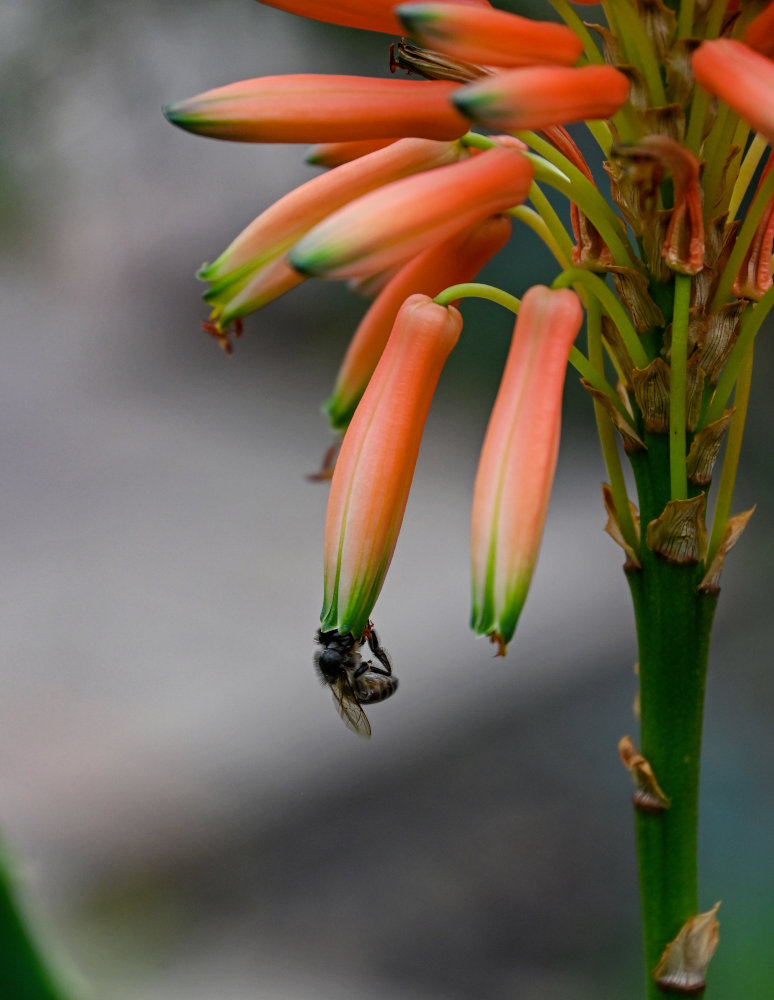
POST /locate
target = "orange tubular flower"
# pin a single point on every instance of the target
(741, 77)
(538, 96)
(489, 37)
(311, 107)
(286, 221)
(376, 15)
(518, 458)
(374, 470)
(759, 33)
(457, 259)
(391, 225)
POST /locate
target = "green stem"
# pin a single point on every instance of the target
(572, 20)
(674, 622)
(538, 226)
(477, 290)
(553, 223)
(555, 169)
(25, 973)
(631, 34)
(677, 387)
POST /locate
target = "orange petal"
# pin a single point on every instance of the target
(391, 225)
(376, 464)
(451, 262)
(538, 96)
(311, 107)
(376, 15)
(516, 468)
(741, 77)
(489, 37)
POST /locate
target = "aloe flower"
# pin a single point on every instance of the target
(664, 244)
(375, 467)
(518, 458)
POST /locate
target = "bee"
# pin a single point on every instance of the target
(354, 681)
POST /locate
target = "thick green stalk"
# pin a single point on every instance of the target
(26, 975)
(674, 622)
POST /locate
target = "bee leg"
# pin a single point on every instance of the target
(379, 653)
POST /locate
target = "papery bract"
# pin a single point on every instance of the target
(312, 107)
(489, 36)
(391, 225)
(455, 260)
(376, 464)
(516, 467)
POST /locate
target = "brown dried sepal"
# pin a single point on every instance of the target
(327, 465)
(632, 442)
(433, 65)
(619, 352)
(651, 390)
(648, 795)
(720, 337)
(680, 83)
(694, 387)
(718, 243)
(632, 289)
(613, 528)
(611, 47)
(683, 966)
(668, 120)
(659, 25)
(679, 534)
(710, 583)
(704, 450)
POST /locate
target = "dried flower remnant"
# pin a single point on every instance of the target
(683, 966)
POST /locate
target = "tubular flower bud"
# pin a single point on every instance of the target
(538, 96)
(741, 77)
(285, 222)
(516, 468)
(759, 33)
(333, 154)
(376, 464)
(457, 259)
(489, 37)
(312, 107)
(389, 226)
(377, 15)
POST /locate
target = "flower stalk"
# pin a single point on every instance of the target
(673, 271)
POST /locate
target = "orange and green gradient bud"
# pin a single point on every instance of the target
(376, 15)
(242, 278)
(487, 36)
(375, 467)
(388, 227)
(741, 77)
(313, 107)
(538, 96)
(451, 262)
(517, 463)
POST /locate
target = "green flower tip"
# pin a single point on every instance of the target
(470, 102)
(415, 16)
(316, 261)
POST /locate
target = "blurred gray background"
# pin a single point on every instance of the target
(190, 818)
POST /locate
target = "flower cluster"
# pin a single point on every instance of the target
(425, 176)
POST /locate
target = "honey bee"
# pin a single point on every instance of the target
(354, 681)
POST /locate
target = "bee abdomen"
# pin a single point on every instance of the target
(370, 687)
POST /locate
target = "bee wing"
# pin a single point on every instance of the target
(348, 708)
